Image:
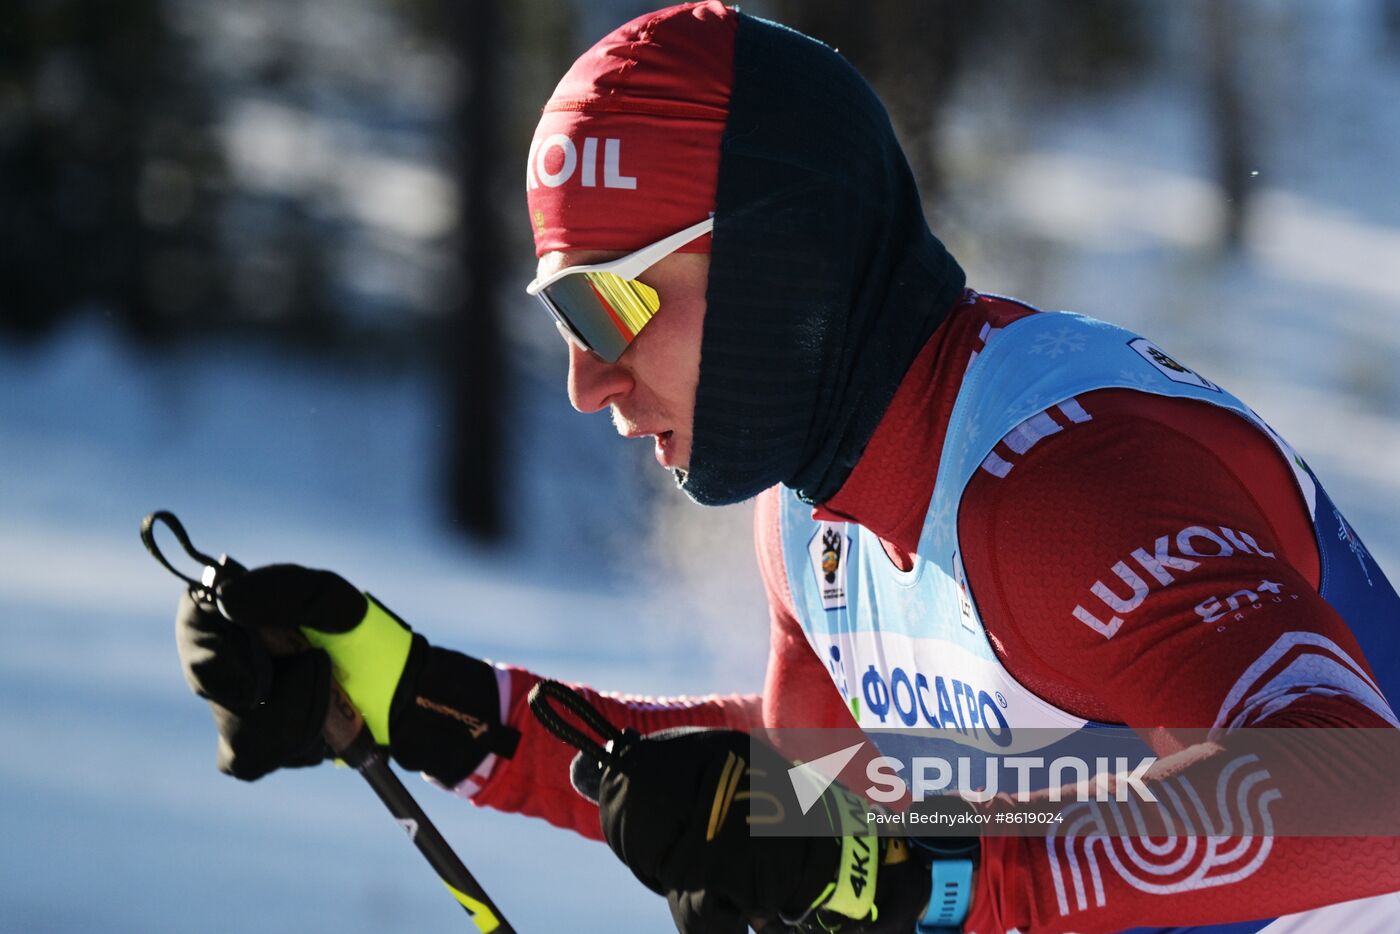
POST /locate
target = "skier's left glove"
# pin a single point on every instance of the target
(677, 809)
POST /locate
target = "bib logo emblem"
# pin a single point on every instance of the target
(828, 550)
(831, 554)
(1168, 367)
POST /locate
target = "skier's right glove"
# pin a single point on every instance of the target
(437, 710)
(680, 809)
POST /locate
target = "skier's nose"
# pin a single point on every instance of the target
(593, 382)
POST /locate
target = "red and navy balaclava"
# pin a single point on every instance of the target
(825, 281)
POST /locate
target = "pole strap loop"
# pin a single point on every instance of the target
(605, 753)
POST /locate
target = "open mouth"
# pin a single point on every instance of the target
(664, 450)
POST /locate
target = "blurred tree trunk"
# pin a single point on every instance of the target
(1229, 115)
(104, 153)
(472, 351)
(1390, 22)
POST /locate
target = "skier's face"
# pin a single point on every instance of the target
(651, 387)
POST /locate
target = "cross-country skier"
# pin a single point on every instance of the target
(953, 489)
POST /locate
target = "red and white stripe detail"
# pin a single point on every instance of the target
(1298, 664)
(984, 337)
(1028, 433)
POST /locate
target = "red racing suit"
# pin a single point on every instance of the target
(1038, 535)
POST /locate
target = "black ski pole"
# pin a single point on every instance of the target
(349, 739)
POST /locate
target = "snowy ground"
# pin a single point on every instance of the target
(114, 819)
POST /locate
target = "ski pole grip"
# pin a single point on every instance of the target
(343, 725)
(343, 722)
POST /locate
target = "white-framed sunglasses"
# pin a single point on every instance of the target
(602, 307)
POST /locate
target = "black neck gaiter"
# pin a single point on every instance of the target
(825, 281)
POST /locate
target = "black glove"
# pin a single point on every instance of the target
(436, 710)
(676, 808)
